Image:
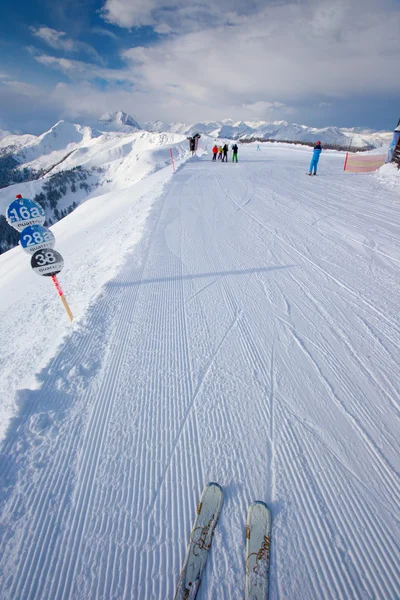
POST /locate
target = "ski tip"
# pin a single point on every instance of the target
(258, 503)
(213, 483)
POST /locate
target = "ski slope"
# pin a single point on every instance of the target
(250, 337)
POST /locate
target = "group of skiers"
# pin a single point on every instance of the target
(222, 152)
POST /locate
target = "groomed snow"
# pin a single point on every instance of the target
(93, 240)
(235, 323)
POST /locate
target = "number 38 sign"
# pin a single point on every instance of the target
(47, 262)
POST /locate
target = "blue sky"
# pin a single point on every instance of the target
(316, 62)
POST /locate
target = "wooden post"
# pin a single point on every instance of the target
(172, 158)
(63, 298)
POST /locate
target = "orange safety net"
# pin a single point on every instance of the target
(361, 163)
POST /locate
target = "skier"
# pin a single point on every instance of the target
(220, 153)
(315, 158)
(234, 153)
(258, 147)
(225, 151)
(215, 152)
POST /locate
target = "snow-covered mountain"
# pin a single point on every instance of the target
(4, 133)
(277, 130)
(13, 142)
(70, 163)
(119, 121)
(53, 145)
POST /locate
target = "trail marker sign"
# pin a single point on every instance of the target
(47, 262)
(36, 237)
(24, 212)
(27, 217)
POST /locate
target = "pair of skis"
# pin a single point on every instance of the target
(258, 532)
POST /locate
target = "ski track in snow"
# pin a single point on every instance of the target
(251, 338)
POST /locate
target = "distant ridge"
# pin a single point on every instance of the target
(279, 131)
(118, 121)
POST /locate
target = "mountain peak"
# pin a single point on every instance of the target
(119, 121)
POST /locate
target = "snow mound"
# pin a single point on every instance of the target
(389, 175)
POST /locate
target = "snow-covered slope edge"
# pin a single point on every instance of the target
(80, 164)
(93, 240)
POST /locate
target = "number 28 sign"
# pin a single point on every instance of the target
(36, 237)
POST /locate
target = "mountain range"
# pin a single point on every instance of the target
(122, 122)
(279, 131)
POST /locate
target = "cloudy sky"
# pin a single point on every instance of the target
(316, 62)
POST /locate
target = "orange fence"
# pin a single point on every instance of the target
(361, 163)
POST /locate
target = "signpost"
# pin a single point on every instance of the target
(394, 148)
(27, 217)
(62, 297)
(36, 237)
(172, 158)
(47, 262)
(23, 212)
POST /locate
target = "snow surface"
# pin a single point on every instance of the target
(97, 234)
(235, 323)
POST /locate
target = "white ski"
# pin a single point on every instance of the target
(258, 541)
(201, 537)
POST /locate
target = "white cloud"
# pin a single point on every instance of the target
(177, 15)
(55, 39)
(281, 54)
(130, 14)
(77, 69)
(163, 29)
(59, 41)
(104, 32)
(255, 65)
(20, 87)
(262, 106)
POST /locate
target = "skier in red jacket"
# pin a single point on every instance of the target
(215, 152)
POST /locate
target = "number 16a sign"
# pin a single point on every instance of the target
(24, 212)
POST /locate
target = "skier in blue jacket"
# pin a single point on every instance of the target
(315, 158)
